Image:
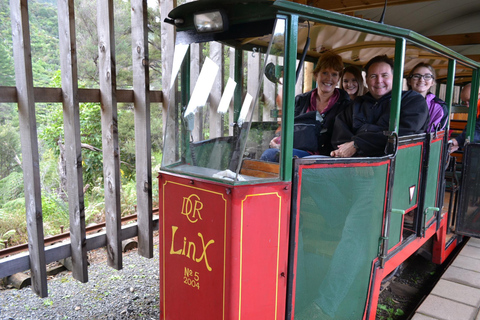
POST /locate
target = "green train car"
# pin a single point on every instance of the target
(296, 238)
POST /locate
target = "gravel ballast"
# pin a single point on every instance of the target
(130, 293)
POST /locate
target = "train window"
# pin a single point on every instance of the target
(222, 113)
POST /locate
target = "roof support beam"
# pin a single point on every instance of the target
(457, 39)
(351, 5)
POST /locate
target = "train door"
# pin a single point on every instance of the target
(339, 210)
(468, 214)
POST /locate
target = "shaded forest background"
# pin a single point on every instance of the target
(46, 73)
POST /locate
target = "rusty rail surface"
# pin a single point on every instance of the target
(64, 236)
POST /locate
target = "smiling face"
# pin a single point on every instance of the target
(350, 84)
(327, 79)
(379, 79)
(418, 81)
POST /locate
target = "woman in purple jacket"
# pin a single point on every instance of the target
(421, 79)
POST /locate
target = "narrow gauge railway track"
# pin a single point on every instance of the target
(64, 236)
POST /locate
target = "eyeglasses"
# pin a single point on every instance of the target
(418, 76)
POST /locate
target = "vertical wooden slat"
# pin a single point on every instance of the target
(269, 93)
(168, 48)
(141, 94)
(111, 152)
(29, 142)
(216, 127)
(299, 84)
(253, 75)
(73, 149)
(195, 68)
(231, 110)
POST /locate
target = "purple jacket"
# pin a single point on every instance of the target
(436, 111)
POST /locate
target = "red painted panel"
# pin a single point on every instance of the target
(259, 254)
(193, 251)
(240, 236)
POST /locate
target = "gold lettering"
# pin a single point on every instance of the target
(192, 248)
(179, 251)
(196, 210)
(192, 211)
(204, 253)
(190, 245)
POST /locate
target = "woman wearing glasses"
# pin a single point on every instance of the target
(421, 79)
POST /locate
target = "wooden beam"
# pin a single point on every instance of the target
(356, 5)
(22, 54)
(462, 39)
(474, 57)
(71, 125)
(111, 151)
(216, 123)
(21, 262)
(143, 145)
(53, 95)
(167, 42)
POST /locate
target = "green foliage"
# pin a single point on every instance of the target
(6, 237)
(55, 214)
(9, 150)
(12, 217)
(46, 73)
(7, 72)
(12, 187)
(392, 313)
(47, 302)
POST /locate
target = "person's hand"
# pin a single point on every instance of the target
(275, 143)
(344, 150)
(453, 146)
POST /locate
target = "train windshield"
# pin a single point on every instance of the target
(222, 112)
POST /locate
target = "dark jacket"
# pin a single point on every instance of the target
(365, 120)
(476, 138)
(302, 102)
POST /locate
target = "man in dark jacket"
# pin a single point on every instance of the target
(359, 129)
(459, 141)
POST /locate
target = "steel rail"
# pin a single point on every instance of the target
(64, 236)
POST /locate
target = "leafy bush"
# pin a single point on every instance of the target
(12, 217)
(12, 187)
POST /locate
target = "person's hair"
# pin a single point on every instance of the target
(377, 59)
(420, 65)
(357, 74)
(329, 60)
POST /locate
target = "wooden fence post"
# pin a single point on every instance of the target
(111, 152)
(216, 123)
(143, 159)
(28, 137)
(73, 151)
(168, 48)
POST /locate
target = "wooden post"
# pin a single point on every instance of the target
(269, 94)
(111, 152)
(231, 109)
(195, 68)
(28, 137)
(253, 76)
(141, 94)
(216, 123)
(168, 48)
(73, 151)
